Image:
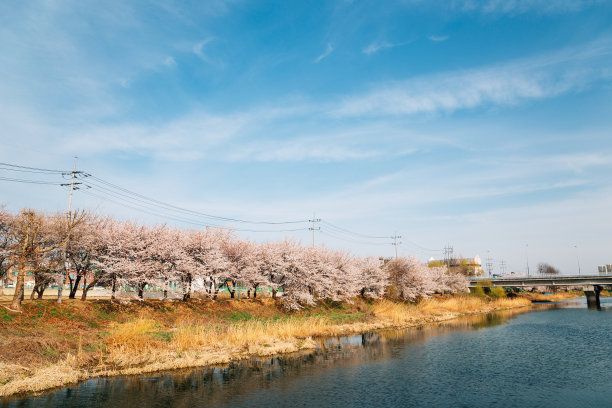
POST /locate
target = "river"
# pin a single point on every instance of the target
(555, 356)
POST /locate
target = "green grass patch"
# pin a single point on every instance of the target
(4, 315)
(164, 336)
(240, 316)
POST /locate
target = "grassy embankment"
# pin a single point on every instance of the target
(50, 345)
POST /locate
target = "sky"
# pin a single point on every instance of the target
(481, 125)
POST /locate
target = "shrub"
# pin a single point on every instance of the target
(497, 292)
(477, 291)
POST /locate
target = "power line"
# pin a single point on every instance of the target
(15, 180)
(341, 230)
(352, 232)
(352, 240)
(33, 169)
(177, 208)
(130, 199)
(180, 219)
(422, 251)
(421, 247)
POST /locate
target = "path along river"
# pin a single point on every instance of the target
(554, 356)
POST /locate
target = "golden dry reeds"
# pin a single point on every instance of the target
(136, 335)
(396, 312)
(190, 337)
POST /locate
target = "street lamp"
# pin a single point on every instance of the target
(577, 258)
(527, 255)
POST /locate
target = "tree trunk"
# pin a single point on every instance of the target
(273, 293)
(60, 282)
(38, 290)
(187, 293)
(84, 282)
(86, 289)
(114, 287)
(255, 291)
(17, 296)
(141, 290)
(73, 289)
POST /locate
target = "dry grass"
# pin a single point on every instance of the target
(435, 308)
(190, 337)
(397, 313)
(506, 303)
(135, 335)
(555, 297)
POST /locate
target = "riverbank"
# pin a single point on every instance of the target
(51, 345)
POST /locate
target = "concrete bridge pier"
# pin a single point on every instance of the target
(592, 295)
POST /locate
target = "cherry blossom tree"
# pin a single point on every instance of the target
(206, 260)
(372, 279)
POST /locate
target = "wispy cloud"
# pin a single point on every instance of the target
(376, 46)
(325, 54)
(170, 62)
(524, 6)
(438, 38)
(533, 78)
(198, 49)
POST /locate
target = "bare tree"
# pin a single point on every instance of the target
(5, 245)
(32, 235)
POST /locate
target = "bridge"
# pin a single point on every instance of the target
(592, 285)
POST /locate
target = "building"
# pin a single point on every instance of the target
(605, 269)
(466, 266)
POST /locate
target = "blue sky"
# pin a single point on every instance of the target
(485, 125)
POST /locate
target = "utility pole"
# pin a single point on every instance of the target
(448, 255)
(502, 267)
(62, 279)
(395, 237)
(314, 227)
(489, 266)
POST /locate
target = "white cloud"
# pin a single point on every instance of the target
(170, 62)
(524, 6)
(438, 38)
(375, 47)
(534, 78)
(325, 54)
(381, 45)
(198, 49)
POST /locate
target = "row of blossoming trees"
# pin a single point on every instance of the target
(102, 251)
